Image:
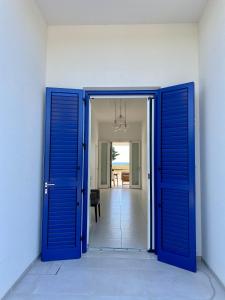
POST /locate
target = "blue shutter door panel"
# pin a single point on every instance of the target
(175, 178)
(62, 175)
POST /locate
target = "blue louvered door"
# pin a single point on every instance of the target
(175, 176)
(61, 238)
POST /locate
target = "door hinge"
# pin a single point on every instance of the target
(151, 97)
(82, 191)
(84, 146)
(149, 175)
(81, 238)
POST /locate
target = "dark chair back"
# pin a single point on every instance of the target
(95, 197)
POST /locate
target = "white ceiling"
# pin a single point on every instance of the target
(104, 109)
(102, 12)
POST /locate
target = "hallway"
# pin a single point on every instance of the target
(115, 275)
(123, 221)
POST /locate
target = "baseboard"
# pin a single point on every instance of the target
(199, 259)
(21, 277)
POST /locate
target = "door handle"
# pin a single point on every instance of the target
(48, 184)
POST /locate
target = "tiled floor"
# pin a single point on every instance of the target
(115, 275)
(123, 222)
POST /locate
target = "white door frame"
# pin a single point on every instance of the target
(150, 173)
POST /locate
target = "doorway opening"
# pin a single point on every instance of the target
(170, 184)
(119, 185)
(120, 165)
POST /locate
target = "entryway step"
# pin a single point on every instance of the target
(120, 253)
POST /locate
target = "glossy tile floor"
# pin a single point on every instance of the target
(115, 275)
(123, 221)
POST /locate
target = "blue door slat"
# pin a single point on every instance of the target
(175, 176)
(61, 228)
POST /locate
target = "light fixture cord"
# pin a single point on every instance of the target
(125, 112)
(120, 108)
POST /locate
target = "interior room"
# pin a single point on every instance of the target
(120, 165)
(118, 155)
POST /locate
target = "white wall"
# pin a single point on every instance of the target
(141, 55)
(144, 152)
(133, 132)
(212, 111)
(93, 158)
(136, 55)
(22, 76)
(94, 152)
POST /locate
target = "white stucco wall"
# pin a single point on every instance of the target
(79, 56)
(126, 56)
(141, 55)
(144, 152)
(22, 75)
(94, 151)
(212, 111)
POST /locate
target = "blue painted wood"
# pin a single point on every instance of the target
(87, 95)
(175, 176)
(63, 165)
(85, 182)
(156, 108)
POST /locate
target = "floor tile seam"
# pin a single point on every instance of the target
(125, 258)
